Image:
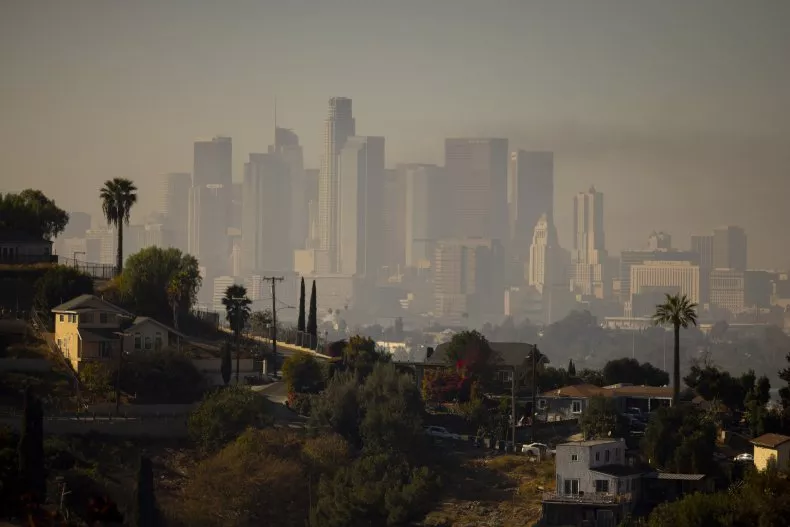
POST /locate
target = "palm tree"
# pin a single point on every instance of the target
(679, 312)
(237, 313)
(118, 196)
(178, 289)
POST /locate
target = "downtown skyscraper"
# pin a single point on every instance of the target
(530, 196)
(338, 127)
(589, 245)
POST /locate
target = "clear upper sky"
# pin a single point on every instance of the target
(678, 110)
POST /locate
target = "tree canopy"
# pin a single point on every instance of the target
(627, 370)
(59, 284)
(680, 439)
(601, 420)
(470, 352)
(32, 213)
(224, 414)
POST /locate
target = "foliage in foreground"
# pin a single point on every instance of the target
(224, 414)
(601, 420)
(60, 284)
(680, 439)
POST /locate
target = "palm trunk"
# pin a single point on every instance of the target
(238, 353)
(119, 250)
(676, 368)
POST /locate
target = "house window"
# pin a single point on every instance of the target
(148, 343)
(542, 404)
(102, 318)
(576, 407)
(87, 318)
(574, 457)
(61, 317)
(507, 375)
(606, 456)
(572, 486)
(138, 341)
(105, 349)
(601, 485)
(597, 456)
(158, 341)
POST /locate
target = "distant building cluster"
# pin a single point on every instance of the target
(464, 243)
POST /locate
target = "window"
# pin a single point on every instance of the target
(105, 350)
(507, 375)
(606, 456)
(601, 485)
(102, 318)
(597, 456)
(158, 341)
(576, 407)
(572, 486)
(87, 318)
(542, 404)
(574, 457)
(138, 341)
(61, 317)
(148, 342)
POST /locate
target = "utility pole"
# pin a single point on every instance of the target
(273, 334)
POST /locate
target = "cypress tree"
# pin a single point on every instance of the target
(31, 449)
(571, 368)
(143, 511)
(300, 325)
(312, 317)
(225, 366)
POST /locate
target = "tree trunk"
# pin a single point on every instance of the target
(119, 250)
(238, 353)
(676, 368)
(175, 317)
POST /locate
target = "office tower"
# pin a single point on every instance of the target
(359, 243)
(468, 278)
(727, 290)
(221, 284)
(266, 215)
(338, 127)
(208, 234)
(101, 246)
(235, 206)
(530, 193)
(173, 204)
(758, 288)
(651, 280)
(477, 172)
(542, 257)
(213, 165)
(589, 247)
(74, 250)
(286, 145)
(703, 246)
(393, 221)
(659, 241)
(426, 215)
(729, 248)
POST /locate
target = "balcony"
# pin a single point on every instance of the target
(597, 498)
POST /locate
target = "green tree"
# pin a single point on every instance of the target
(261, 321)
(237, 313)
(59, 284)
(361, 354)
(33, 213)
(680, 439)
(162, 377)
(312, 316)
(713, 384)
(32, 475)
(590, 376)
(160, 283)
(224, 414)
(97, 378)
(300, 324)
(118, 196)
(469, 351)
(601, 420)
(571, 368)
(679, 312)
(338, 408)
(302, 373)
(144, 511)
(628, 370)
(226, 366)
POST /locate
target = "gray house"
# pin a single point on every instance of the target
(569, 402)
(594, 485)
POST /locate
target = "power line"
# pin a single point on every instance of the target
(273, 280)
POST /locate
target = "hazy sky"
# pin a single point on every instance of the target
(679, 111)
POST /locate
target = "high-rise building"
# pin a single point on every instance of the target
(425, 217)
(542, 257)
(651, 280)
(703, 246)
(659, 241)
(173, 205)
(729, 248)
(359, 220)
(208, 234)
(79, 223)
(338, 127)
(266, 215)
(727, 290)
(588, 275)
(393, 221)
(213, 163)
(101, 246)
(286, 145)
(530, 193)
(221, 284)
(477, 172)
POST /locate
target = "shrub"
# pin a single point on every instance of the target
(224, 414)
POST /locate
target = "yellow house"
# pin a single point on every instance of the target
(88, 328)
(771, 446)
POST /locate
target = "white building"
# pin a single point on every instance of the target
(665, 276)
(542, 257)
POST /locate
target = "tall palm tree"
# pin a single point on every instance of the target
(118, 196)
(237, 313)
(178, 290)
(679, 312)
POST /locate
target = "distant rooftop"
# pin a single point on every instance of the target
(770, 440)
(592, 442)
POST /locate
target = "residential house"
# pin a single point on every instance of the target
(511, 355)
(569, 402)
(771, 448)
(594, 484)
(146, 334)
(88, 328)
(17, 247)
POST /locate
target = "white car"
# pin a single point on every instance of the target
(440, 432)
(744, 458)
(537, 450)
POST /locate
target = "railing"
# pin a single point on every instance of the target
(19, 259)
(96, 270)
(600, 498)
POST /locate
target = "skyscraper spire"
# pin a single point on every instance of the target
(275, 122)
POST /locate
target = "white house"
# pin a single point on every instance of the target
(147, 334)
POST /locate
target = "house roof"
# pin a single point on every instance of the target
(576, 391)
(592, 442)
(510, 353)
(583, 391)
(98, 335)
(87, 302)
(12, 235)
(617, 470)
(143, 320)
(770, 440)
(675, 477)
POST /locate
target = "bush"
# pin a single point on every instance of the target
(224, 414)
(301, 403)
(302, 373)
(97, 378)
(162, 377)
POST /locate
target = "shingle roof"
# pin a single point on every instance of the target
(82, 300)
(576, 390)
(592, 442)
(98, 335)
(675, 477)
(589, 390)
(617, 470)
(770, 440)
(142, 320)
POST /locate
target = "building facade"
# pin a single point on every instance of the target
(425, 217)
(588, 269)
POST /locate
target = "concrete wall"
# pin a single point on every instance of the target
(210, 368)
(762, 456)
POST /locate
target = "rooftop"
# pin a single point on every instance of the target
(675, 477)
(617, 471)
(583, 391)
(770, 440)
(591, 442)
(88, 301)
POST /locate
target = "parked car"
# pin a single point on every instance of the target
(744, 458)
(538, 450)
(440, 432)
